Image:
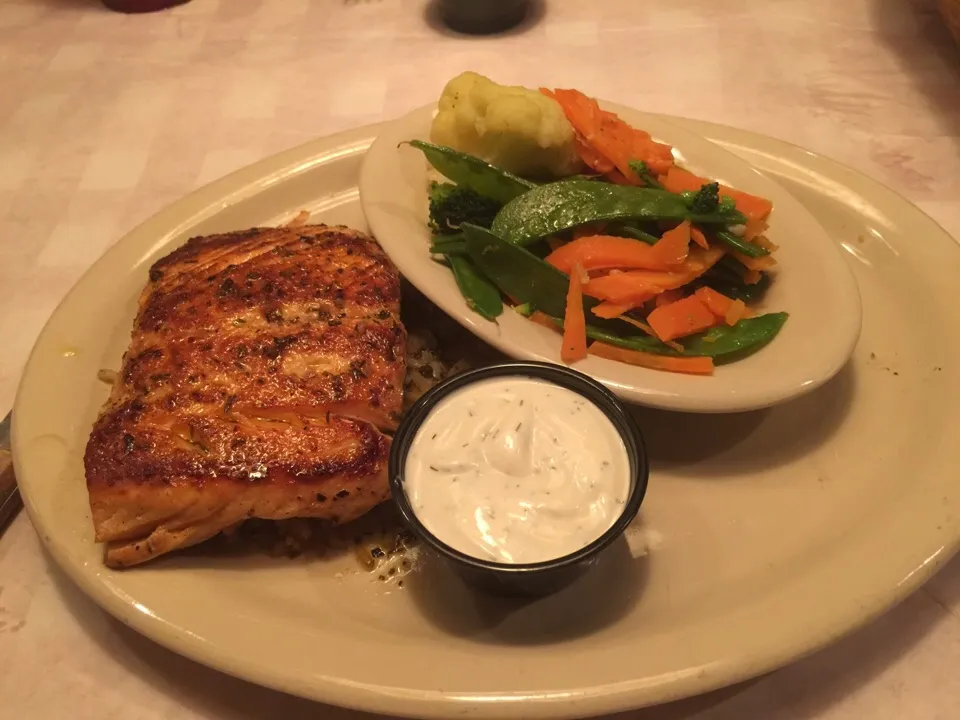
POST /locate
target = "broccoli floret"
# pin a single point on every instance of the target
(706, 199)
(453, 205)
(644, 173)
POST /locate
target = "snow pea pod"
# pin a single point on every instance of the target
(723, 343)
(474, 173)
(636, 233)
(519, 273)
(726, 344)
(481, 295)
(738, 243)
(443, 244)
(553, 208)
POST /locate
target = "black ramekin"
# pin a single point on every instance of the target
(530, 579)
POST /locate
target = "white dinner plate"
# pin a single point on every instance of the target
(763, 535)
(814, 284)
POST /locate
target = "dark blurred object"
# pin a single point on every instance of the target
(10, 501)
(482, 17)
(142, 6)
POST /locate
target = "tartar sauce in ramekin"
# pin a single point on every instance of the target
(517, 470)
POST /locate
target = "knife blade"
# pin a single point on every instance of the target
(10, 501)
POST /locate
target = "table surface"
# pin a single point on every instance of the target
(106, 118)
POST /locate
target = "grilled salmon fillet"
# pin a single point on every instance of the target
(263, 370)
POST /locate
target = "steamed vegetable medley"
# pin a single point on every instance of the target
(587, 226)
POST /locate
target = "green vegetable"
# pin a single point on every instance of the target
(732, 285)
(472, 172)
(540, 286)
(727, 203)
(518, 273)
(481, 295)
(723, 343)
(641, 169)
(452, 205)
(443, 244)
(553, 208)
(738, 243)
(524, 309)
(706, 199)
(636, 233)
(726, 344)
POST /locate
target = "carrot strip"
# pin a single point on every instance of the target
(678, 180)
(669, 296)
(543, 319)
(638, 286)
(674, 245)
(618, 178)
(766, 243)
(735, 312)
(764, 262)
(608, 310)
(696, 234)
(591, 158)
(754, 207)
(574, 345)
(600, 252)
(718, 303)
(681, 318)
(688, 365)
(752, 277)
(754, 228)
(609, 137)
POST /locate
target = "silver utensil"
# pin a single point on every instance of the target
(10, 501)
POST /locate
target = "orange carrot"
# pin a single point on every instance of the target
(752, 277)
(669, 296)
(764, 262)
(608, 310)
(688, 365)
(754, 228)
(678, 180)
(735, 313)
(681, 318)
(601, 252)
(755, 208)
(674, 245)
(574, 324)
(718, 303)
(618, 178)
(545, 320)
(591, 158)
(609, 137)
(638, 286)
(631, 288)
(696, 234)
(766, 243)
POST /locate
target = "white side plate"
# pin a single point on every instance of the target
(814, 284)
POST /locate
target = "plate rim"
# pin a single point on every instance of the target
(383, 698)
(658, 390)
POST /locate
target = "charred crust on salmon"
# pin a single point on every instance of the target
(219, 415)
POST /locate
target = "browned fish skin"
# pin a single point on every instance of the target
(261, 366)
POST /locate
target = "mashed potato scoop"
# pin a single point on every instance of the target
(515, 128)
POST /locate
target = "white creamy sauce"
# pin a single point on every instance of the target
(517, 470)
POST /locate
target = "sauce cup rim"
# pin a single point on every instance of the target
(587, 387)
